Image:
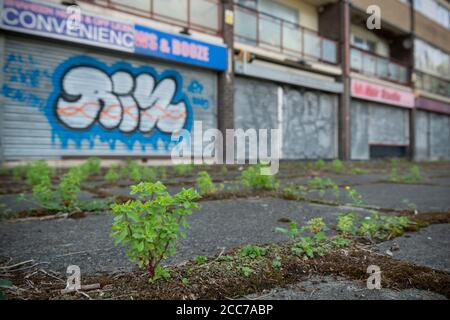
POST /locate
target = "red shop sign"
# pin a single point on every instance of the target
(374, 92)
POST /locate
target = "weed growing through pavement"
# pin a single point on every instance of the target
(205, 185)
(112, 175)
(337, 166)
(252, 177)
(150, 226)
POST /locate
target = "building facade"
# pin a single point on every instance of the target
(115, 78)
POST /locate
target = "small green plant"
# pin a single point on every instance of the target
(319, 164)
(295, 192)
(373, 227)
(112, 175)
(64, 196)
(149, 174)
(201, 259)
(185, 281)
(394, 171)
(91, 166)
(205, 185)
(162, 172)
(225, 258)
(45, 196)
(359, 171)
(38, 172)
(246, 271)
(224, 170)
(292, 231)
(355, 197)
(252, 177)
(321, 183)
(316, 225)
(308, 246)
(150, 226)
(182, 169)
(95, 205)
(414, 175)
(337, 166)
(69, 187)
(252, 251)
(134, 171)
(19, 172)
(345, 224)
(410, 205)
(340, 242)
(276, 262)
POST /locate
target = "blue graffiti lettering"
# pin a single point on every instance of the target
(195, 87)
(24, 70)
(20, 95)
(200, 102)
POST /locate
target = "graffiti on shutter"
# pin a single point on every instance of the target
(117, 102)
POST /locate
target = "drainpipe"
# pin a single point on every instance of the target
(412, 113)
(225, 96)
(345, 101)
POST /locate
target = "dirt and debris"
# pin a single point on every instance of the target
(223, 280)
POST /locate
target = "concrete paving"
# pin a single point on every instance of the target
(428, 247)
(215, 225)
(229, 223)
(337, 288)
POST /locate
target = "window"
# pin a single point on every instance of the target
(143, 5)
(431, 60)
(364, 44)
(444, 16)
(434, 10)
(275, 20)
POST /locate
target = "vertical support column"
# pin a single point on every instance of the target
(226, 78)
(344, 107)
(412, 112)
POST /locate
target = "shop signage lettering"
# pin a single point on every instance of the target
(374, 92)
(52, 21)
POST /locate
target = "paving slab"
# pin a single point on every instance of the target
(338, 288)
(218, 224)
(429, 247)
(12, 204)
(424, 198)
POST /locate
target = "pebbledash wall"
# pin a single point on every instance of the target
(67, 99)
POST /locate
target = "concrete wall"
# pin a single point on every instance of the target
(432, 136)
(64, 100)
(393, 12)
(308, 118)
(376, 124)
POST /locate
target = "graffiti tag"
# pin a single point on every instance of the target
(138, 103)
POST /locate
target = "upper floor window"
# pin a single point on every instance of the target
(201, 15)
(431, 60)
(272, 8)
(434, 10)
(268, 22)
(363, 44)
